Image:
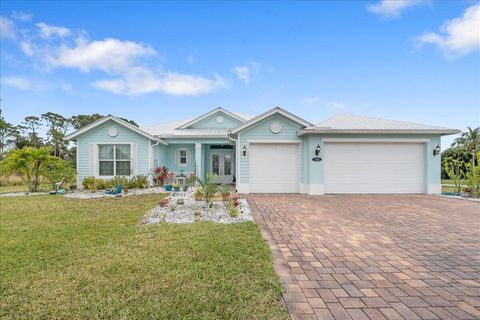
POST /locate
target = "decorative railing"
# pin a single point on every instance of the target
(181, 177)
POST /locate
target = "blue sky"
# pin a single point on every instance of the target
(157, 61)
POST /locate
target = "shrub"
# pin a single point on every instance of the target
(199, 196)
(92, 183)
(140, 182)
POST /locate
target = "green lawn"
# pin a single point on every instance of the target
(73, 259)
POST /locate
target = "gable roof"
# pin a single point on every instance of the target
(271, 112)
(350, 123)
(121, 122)
(208, 114)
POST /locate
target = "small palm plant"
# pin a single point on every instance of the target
(208, 186)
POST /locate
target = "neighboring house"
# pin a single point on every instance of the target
(275, 152)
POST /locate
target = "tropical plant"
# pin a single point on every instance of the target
(208, 186)
(455, 171)
(58, 170)
(473, 179)
(455, 153)
(470, 141)
(160, 175)
(29, 163)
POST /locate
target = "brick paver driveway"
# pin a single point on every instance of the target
(374, 257)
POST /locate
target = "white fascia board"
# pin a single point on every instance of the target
(208, 114)
(121, 122)
(276, 110)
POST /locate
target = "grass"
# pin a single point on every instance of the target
(64, 258)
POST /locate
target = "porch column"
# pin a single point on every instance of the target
(198, 160)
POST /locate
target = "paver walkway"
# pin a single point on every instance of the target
(374, 256)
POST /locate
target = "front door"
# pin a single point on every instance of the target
(221, 165)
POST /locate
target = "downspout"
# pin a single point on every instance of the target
(237, 163)
(151, 159)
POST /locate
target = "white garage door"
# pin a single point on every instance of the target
(273, 168)
(374, 168)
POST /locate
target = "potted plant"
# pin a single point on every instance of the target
(176, 187)
(225, 191)
(168, 187)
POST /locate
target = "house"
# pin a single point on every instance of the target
(275, 152)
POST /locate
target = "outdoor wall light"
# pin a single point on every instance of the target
(317, 150)
(244, 151)
(436, 150)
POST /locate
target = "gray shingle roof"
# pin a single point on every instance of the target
(355, 123)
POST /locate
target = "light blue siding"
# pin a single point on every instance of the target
(171, 158)
(315, 170)
(262, 130)
(99, 135)
(210, 122)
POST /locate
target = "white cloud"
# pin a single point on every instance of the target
(48, 31)
(17, 82)
(336, 105)
(7, 28)
(311, 100)
(22, 16)
(143, 81)
(27, 48)
(246, 72)
(109, 55)
(128, 66)
(392, 8)
(243, 73)
(458, 36)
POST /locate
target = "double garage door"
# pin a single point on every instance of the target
(348, 168)
(374, 167)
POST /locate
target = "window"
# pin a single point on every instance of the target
(114, 160)
(182, 157)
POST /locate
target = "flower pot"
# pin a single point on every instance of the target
(225, 197)
(168, 188)
(177, 189)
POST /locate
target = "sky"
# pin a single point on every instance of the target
(154, 61)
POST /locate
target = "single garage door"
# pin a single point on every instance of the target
(374, 168)
(273, 168)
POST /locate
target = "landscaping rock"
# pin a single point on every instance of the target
(191, 211)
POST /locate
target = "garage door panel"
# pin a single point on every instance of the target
(273, 168)
(374, 168)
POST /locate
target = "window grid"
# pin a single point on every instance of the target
(118, 164)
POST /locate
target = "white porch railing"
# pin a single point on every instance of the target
(182, 177)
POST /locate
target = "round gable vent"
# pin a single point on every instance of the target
(276, 127)
(112, 132)
(219, 119)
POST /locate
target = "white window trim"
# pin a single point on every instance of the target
(114, 160)
(178, 157)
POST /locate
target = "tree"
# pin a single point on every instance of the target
(57, 128)
(7, 131)
(470, 141)
(31, 124)
(455, 171)
(455, 153)
(82, 120)
(28, 162)
(58, 169)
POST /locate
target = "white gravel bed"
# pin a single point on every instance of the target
(85, 194)
(22, 194)
(191, 211)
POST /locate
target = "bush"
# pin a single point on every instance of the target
(140, 182)
(92, 183)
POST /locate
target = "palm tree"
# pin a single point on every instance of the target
(470, 142)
